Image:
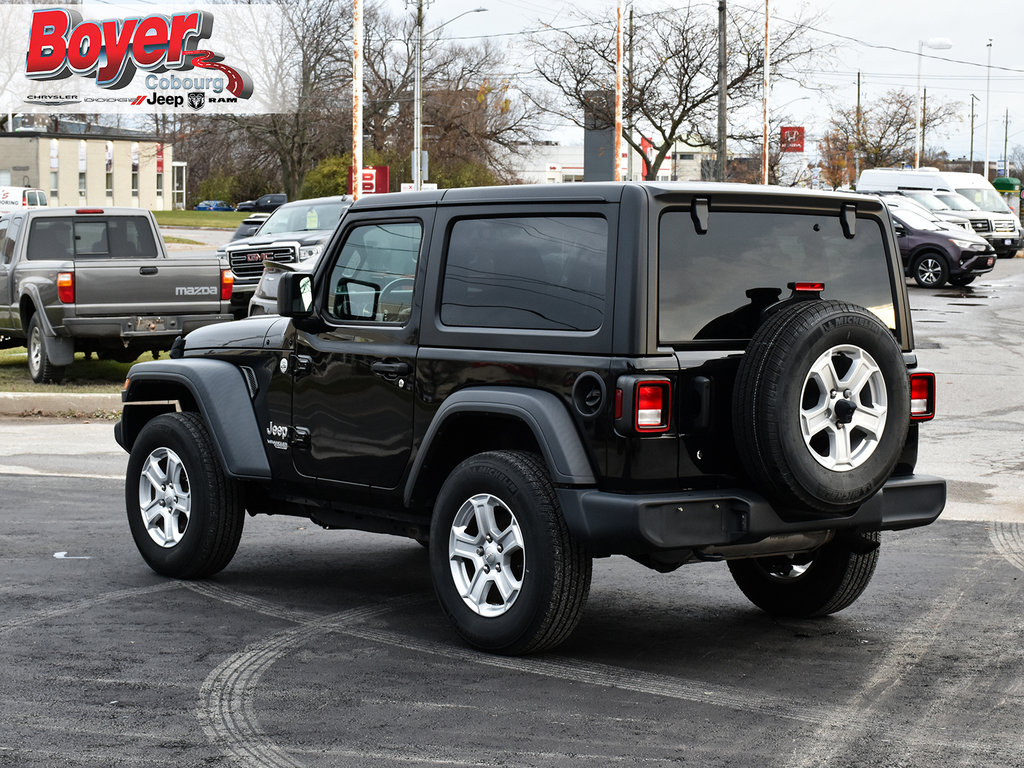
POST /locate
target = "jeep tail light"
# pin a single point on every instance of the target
(227, 284)
(922, 396)
(643, 404)
(66, 287)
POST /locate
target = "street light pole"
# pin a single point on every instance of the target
(417, 108)
(988, 101)
(935, 42)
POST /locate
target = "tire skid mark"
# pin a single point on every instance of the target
(849, 724)
(1008, 541)
(82, 605)
(258, 605)
(226, 709)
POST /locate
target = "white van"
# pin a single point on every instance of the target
(21, 197)
(995, 222)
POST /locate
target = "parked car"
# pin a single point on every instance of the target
(995, 222)
(12, 198)
(264, 204)
(295, 232)
(249, 226)
(213, 205)
(525, 378)
(934, 254)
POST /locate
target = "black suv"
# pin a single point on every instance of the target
(934, 252)
(525, 378)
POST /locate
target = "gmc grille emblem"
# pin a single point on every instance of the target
(257, 256)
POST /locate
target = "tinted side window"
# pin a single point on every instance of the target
(374, 275)
(530, 272)
(3, 239)
(12, 237)
(714, 286)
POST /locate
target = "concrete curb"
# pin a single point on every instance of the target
(56, 404)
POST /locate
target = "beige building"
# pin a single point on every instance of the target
(94, 169)
(550, 162)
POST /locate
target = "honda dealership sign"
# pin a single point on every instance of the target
(791, 138)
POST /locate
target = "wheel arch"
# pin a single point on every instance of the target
(479, 419)
(164, 386)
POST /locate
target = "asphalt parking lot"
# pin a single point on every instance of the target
(326, 648)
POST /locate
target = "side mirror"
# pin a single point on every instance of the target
(295, 295)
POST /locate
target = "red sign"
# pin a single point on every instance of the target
(376, 179)
(791, 138)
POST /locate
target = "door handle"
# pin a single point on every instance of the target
(390, 369)
(148, 270)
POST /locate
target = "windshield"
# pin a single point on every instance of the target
(303, 217)
(957, 202)
(986, 199)
(914, 220)
(928, 200)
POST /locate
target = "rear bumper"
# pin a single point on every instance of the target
(137, 328)
(630, 523)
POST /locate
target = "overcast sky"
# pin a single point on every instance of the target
(879, 38)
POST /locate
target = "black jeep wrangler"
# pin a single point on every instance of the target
(525, 378)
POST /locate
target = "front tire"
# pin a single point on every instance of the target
(506, 570)
(808, 585)
(930, 271)
(40, 367)
(184, 513)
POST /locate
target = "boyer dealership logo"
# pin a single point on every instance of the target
(111, 52)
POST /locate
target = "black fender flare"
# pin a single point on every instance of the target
(219, 389)
(543, 412)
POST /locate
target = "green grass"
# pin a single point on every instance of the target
(180, 241)
(221, 219)
(81, 377)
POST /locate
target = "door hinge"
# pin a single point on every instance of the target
(299, 437)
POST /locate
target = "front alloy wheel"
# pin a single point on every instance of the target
(165, 497)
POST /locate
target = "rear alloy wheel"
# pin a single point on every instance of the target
(930, 271)
(806, 585)
(184, 513)
(40, 368)
(505, 568)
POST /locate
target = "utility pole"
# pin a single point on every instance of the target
(767, 90)
(617, 171)
(417, 107)
(1006, 133)
(924, 121)
(357, 99)
(856, 151)
(721, 92)
(973, 99)
(629, 98)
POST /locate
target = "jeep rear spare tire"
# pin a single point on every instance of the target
(821, 407)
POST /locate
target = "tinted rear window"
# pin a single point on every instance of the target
(714, 286)
(127, 237)
(531, 272)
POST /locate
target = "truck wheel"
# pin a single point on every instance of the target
(505, 568)
(40, 368)
(802, 586)
(185, 514)
(930, 271)
(821, 407)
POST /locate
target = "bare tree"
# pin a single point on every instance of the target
(886, 135)
(672, 86)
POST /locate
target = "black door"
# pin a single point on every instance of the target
(354, 383)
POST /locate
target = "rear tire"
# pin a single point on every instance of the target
(40, 367)
(803, 586)
(505, 568)
(184, 513)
